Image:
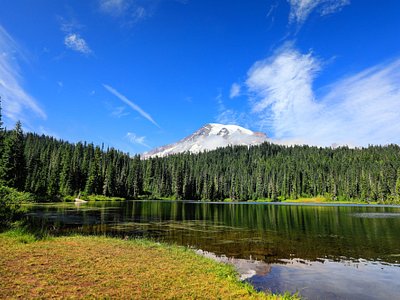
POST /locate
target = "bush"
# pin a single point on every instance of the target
(10, 204)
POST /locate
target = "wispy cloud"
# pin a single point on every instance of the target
(128, 10)
(283, 83)
(75, 42)
(72, 39)
(114, 7)
(68, 26)
(48, 132)
(300, 10)
(235, 90)
(360, 109)
(119, 112)
(130, 103)
(17, 104)
(138, 140)
(116, 111)
(228, 115)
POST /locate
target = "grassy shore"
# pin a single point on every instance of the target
(325, 200)
(320, 199)
(91, 198)
(99, 267)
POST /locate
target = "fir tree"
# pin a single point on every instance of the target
(398, 185)
(13, 161)
(93, 182)
(1, 130)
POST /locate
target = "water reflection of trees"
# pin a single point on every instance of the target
(266, 232)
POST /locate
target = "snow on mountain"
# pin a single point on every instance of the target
(210, 137)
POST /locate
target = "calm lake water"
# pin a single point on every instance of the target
(323, 252)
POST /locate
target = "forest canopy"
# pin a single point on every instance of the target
(53, 169)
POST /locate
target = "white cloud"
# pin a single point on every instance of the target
(229, 116)
(235, 90)
(139, 140)
(68, 26)
(333, 6)
(17, 104)
(127, 10)
(119, 112)
(46, 131)
(283, 83)
(300, 10)
(139, 13)
(130, 103)
(113, 7)
(360, 109)
(75, 42)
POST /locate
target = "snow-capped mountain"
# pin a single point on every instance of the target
(210, 137)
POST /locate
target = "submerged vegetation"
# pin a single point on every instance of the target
(93, 267)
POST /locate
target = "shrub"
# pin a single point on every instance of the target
(10, 204)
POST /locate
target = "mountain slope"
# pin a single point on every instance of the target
(210, 137)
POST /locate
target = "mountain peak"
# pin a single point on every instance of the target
(209, 137)
(221, 129)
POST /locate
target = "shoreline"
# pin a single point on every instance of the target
(249, 202)
(92, 266)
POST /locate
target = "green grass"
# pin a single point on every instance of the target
(100, 267)
(322, 199)
(92, 198)
(149, 196)
(20, 235)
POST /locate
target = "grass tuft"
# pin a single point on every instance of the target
(20, 235)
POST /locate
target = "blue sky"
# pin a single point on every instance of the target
(139, 74)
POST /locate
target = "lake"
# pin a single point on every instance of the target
(320, 251)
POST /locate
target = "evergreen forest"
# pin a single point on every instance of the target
(53, 169)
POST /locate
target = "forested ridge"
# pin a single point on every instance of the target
(53, 169)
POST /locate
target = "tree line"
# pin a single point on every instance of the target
(275, 172)
(52, 169)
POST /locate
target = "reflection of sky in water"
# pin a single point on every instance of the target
(332, 280)
(376, 215)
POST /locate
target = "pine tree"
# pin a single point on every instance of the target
(109, 181)
(13, 165)
(1, 131)
(138, 178)
(93, 182)
(178, 183)
(65, 173)
(53, 184)
(398, 185)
